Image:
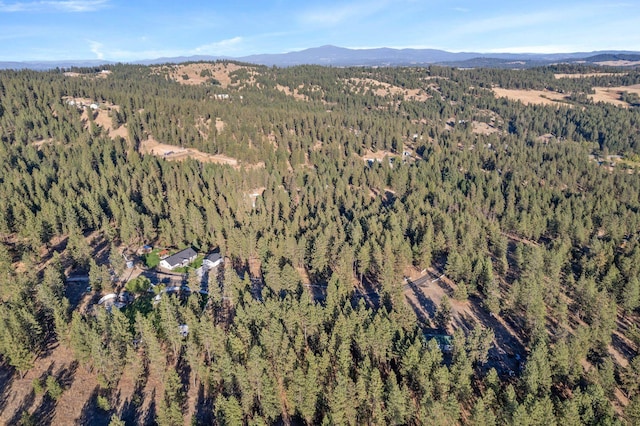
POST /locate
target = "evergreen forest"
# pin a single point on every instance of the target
(401, 246)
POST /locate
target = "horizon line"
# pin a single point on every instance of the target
(497, 51)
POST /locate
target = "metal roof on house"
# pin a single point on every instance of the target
(214, 256)
(180, 257)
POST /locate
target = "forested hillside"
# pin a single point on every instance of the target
(402, 246)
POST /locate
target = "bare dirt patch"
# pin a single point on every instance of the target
(101, 113)
(530, 97)
(482, 128)
(103, 119)
(176, 153)
(295, 92)
(424, 292)
(255, 267)
(377, 155)
(612, 94)
(101, 74)
(79, 385)
(546, 138)
(219, 125)
(38, 144)
(203, 126)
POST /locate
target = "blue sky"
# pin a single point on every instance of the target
(145, 29)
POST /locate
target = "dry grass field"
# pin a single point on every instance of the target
(585, 75)
(104, 120)
(612, 94)
(219, 71)
(380, 88)
(530, 97)
(619, 63)
(295, 92)
(546, 97)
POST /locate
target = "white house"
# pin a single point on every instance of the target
(212, 260)
(182, 258)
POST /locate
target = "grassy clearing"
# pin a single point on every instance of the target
(152, 259)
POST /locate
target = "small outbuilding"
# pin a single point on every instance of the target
(212, 260)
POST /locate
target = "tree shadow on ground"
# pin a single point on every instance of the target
(7, 375)
(131, 409)
(507, 354)
(66, 376)
(149, 417)
(423, 318)
(49, 345)
(75, 291)
(91, 414)
(26, 403)
(45, 411)
(204, 409)
(622, 347)
(425, 302)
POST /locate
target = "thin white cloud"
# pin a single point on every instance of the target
(109, 52)
(219, 47)
(54, 6)
(96, 47)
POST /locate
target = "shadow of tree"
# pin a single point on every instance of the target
(75, 292)
(150, 416)
(204, 409)
(131, 409)
(420, 313)
(444, 286)
(26, 403)
(49, 345)
(425, 302)
(66, 376)
(507, 348)
(91, 414)
(371, 299)
(622, 347)
(45, 411)
(7, 374)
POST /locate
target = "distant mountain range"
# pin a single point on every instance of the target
(340, 57)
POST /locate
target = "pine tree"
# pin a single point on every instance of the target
(443, 313)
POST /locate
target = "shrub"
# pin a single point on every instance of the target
(37, 386)
(53, 388)
(26, 419)
(103, 403)
(151, 260)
